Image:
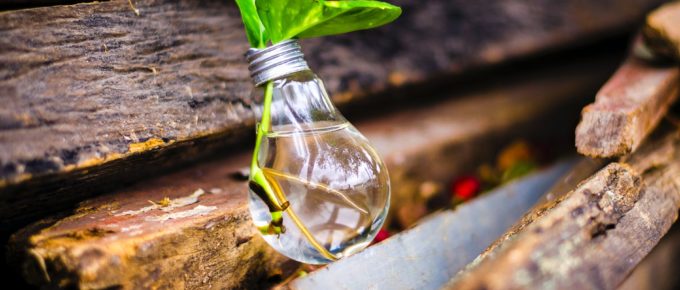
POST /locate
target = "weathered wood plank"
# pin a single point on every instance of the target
(659, 270)
(581, 171)
(95, 95)
(595, 236)
(426, 256)
(450, 136)
(627, 108)
(662, 31)
(207, 241)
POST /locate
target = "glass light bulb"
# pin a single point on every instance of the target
(335, 187)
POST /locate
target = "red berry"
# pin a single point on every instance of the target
(381, 236)
(465, 187)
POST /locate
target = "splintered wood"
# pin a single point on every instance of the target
(596, 235)
(627, 109)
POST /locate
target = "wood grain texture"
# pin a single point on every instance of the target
(95, 95)
(662, 31)
(595, 236)
(213, 242)
(627, 108)
(204, 239)
(658, 271)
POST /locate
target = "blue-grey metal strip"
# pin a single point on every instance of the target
(428, 255)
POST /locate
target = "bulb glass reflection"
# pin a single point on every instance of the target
(334, 186)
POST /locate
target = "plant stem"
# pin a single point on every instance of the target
(258, 176)
(307, 183)
(301, 226)
(264, 122)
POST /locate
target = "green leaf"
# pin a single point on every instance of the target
(286, 19)
(255, 30)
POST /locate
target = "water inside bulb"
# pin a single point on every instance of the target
(336, 186)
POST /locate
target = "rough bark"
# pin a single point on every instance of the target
(627, 108)
(95, 95)
(662, 31)
(103, 244)
(595, 236)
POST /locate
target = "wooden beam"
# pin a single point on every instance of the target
(99, 94)
(658, 271)
(595, 236)
(662, 31)
(627, 108)
(123, 239)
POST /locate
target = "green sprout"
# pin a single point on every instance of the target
(273, 21)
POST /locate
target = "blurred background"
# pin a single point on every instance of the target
(113, 106)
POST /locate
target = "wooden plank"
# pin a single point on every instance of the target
(209, 235)
(627, 108)
(597, 234)
(579, 172)
(662, 31)
(95, 96)
(659, 270)
(207, 241)
(425, 256)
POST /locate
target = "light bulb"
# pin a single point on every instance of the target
(330, 185)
